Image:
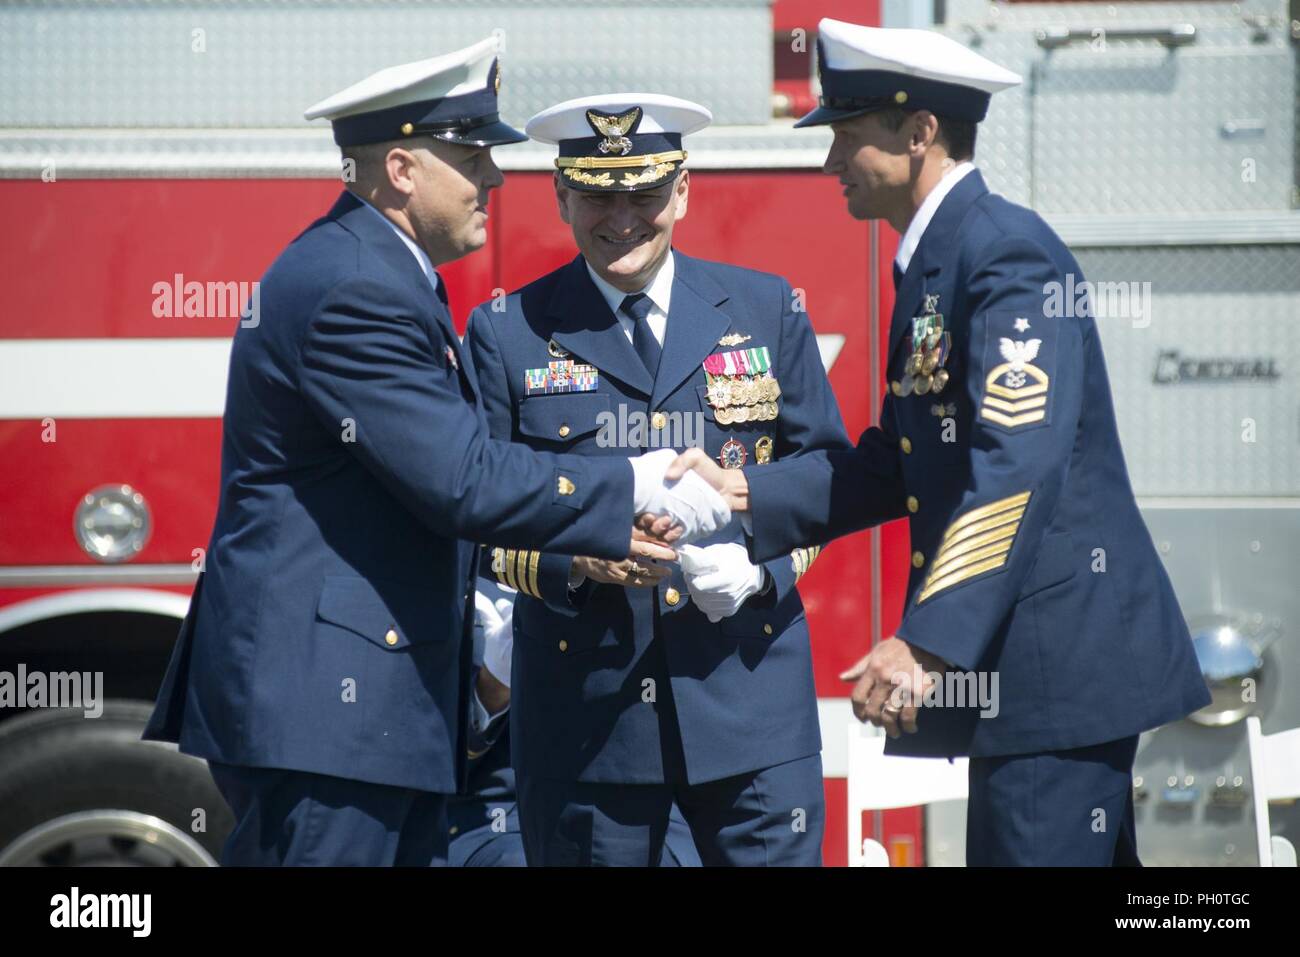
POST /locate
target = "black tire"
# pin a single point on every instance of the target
(78, 790)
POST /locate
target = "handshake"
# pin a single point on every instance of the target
(680, 498)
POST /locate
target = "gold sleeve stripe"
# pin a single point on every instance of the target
(982, 528)
(1026, 404)
(509, 572)
(517, 569)
(533, 561)
(976, 542)
(1010, 421)
(955, 564)
(803, 558)
(970, 571)
(984, 511)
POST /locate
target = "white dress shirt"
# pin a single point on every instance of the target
(659, 289)
(426, 264)
(929, 206)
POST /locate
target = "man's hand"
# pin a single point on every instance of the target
(638, 570)
(731, 484)
(720, 577)
(890, 681)
(689, 501)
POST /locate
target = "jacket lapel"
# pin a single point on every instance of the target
(932, 254)
(352, 215)
(583, 327)
(695, 323)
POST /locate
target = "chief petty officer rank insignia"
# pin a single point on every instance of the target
(741, 386)
(558, 378)
(1018, 356)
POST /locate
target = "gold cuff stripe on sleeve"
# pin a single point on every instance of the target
(970, 571)
(507, 577)
(533, 561)
(521, 570)
(1011, 421)
(619, 162)
(803, 558)
(948, 566)
(984, 511)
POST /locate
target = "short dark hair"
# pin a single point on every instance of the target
(957, 136)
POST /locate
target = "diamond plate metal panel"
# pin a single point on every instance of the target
(260, 63)
(1108, 125)
(1193, 437)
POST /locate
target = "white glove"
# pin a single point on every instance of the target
(691, 502)
(720, 577)
(498, 634)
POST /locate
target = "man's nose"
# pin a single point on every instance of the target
(833, 165)
(494, 177)
(622, 217)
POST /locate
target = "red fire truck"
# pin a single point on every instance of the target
(153, 163)
(124, 277)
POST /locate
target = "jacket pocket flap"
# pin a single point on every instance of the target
(393, 615)
(561, 418)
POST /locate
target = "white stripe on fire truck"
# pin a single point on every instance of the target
(113, 378)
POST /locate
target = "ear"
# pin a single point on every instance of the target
(682, 189)
(399, 170)
(924, 128)
(561, 198)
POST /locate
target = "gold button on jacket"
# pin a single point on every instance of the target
(672, 596)
(391, 637)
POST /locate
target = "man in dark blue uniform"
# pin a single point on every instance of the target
(483, 823)
(634, 684)
(323, 669)
(1041, 634)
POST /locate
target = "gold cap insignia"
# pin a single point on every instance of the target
(615, 127)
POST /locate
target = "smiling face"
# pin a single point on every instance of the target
(874, 164)
(624, 237)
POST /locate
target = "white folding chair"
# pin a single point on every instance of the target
(878, 782)
(1275, 773)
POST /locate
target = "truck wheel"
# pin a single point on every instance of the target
(78, 791)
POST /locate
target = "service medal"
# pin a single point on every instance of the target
(733, 454)
(907, 385)
(940, 380)
(929, 364)
(763, 450)
(923, 383)
(724, 415)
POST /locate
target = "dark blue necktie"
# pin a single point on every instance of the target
(898, 276)
(638, 307)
